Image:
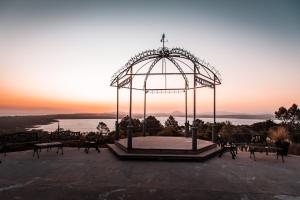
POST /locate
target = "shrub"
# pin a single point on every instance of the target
(227, 131)
(153, 126)
(263, 127)
(279, 133)
(294, 149)
(168, 131)
(204, 135)
(172, 123)
(124, 123)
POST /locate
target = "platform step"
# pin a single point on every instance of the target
(120, 153)
(166, 151)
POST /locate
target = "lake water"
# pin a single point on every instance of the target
(87, 125)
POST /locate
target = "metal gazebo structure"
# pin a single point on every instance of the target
(182, 67)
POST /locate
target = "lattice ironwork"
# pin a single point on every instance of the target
(207, 75)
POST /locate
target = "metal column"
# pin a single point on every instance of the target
(117, 134)
(214, 125)
(145, 101)
(186, 121)
(130, 126)
(194, 127)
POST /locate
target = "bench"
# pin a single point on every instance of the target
(49, 145)
(243, 146)
(228, 147)
(91, 144)
(267, 149)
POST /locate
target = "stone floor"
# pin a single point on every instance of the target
(76, 175)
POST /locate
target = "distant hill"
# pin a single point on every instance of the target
(236, 116)
(10, 124)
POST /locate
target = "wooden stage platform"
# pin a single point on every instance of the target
(164, 148)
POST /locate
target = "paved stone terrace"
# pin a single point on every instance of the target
(77, 175)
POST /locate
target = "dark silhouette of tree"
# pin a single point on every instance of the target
(293, 113)
(290, 119)
(202, 129)
(102, 128)
(135, 122)
(172, 123)
(199, 123)
(263, 127)
(288, 116)
(282, 114)
(153, 126)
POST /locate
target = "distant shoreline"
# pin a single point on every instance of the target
(10, 124)
(113, 115)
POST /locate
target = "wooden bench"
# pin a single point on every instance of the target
(49, 145)
(267, 149)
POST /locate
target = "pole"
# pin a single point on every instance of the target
(130, 127)
(194, 127)
(117, 134)
(186, 121)
(185, 105)
(144, 125)
(214, 125)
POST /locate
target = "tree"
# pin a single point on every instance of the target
(288, 116)
(293, 113)
(102, 128)
(135, 122)
(282, 114)
(198, 123)
(153, 125)
(172, 123)
(201, 129)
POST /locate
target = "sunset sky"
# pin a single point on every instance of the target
(59, 56)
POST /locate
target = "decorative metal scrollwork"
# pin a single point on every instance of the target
(206, 75)
(125, 82)
(203, 82)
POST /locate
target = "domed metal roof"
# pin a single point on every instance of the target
(186, 64)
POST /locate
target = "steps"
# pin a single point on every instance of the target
(124, 155)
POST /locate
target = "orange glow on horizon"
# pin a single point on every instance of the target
(16, 101)
(10, 100)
